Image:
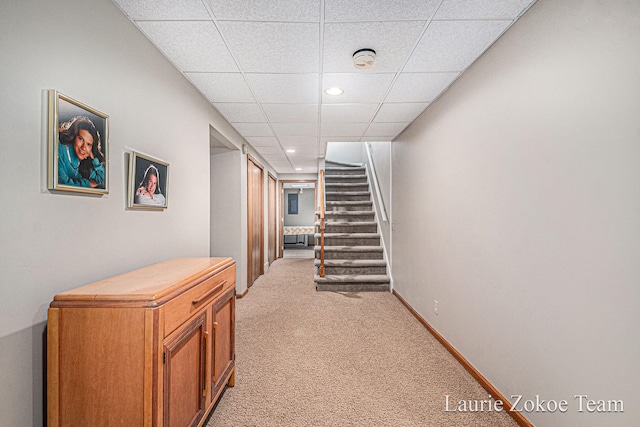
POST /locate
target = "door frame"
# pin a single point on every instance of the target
(281, 221)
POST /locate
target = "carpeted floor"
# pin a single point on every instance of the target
(307, 358)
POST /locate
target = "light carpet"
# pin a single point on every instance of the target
(307, 358)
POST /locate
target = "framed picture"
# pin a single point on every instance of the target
(78, 146)
(148, 182)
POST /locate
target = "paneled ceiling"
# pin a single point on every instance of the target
(264, 64)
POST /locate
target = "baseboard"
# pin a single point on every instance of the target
(238, 296)
(517, 416)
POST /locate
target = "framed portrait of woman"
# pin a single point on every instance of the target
(148, 182)
(78, 146)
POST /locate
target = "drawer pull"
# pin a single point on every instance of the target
(204, 363)
(208, 294)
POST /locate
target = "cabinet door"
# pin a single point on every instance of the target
(224, 345)
(184, 374)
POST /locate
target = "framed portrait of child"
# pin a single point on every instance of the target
(78, 146)
(148, 182)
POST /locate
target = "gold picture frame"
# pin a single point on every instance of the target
(78, 146)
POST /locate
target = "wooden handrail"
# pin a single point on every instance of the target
(321, 200)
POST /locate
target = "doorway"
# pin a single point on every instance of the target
(297, 218)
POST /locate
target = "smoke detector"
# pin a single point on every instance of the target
(363, 59)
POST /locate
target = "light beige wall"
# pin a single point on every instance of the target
(88, 50)
(516, 206)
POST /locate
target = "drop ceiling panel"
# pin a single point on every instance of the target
(378, 10)
(191, 45)
(392, 42)
(343, 129)
(222, 87)
(263, 141)
(385, 129)
(449, 46)
(420, 87)
(164, 9)
(296, 129)
(300, 113)
(399, 112)
(358, 88)
(274, 47)
(271, 151)
(285, 88)
(488, 9)
(272, 10)
(240, 112)
(344, 113)
(253, 129)
(304, 142)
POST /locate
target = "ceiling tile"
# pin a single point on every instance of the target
(344, 113)
(163, 9)
(392, 42)
(222, 87)
(419, 87)
(400, 112)
(253, 129)
(358, 88)
(263, 141)
(271, 151)
(299, 113)
(343, 129)
(295, 129)
(240, 112)
(449, 46)
(274, 47)
(298, 141)
(272, 10)
(285, 88)
(486, 9)
(183, 42)
(385, 129)
(378, 10)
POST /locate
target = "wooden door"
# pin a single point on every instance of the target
(255, 218)
(273, 219)
(224, 338)
(184, 374)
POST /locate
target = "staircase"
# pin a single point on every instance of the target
(354, 259)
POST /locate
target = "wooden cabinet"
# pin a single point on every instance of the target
(153, 347)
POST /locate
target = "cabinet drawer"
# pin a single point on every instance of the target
(196, 298)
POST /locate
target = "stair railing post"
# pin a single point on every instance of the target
(322, 222)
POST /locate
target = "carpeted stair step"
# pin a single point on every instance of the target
(347, 205)
(350, 239)
(352, 283)
(353, 266)
(347, 195)
(348, 216)
(350, 252)
(348, 227)
(345, 170)
(345, 178)
(346, 187)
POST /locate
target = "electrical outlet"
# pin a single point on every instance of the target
(435, 306)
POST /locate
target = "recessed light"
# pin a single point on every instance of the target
(334, 91)
(291, 151)
(298, 169)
